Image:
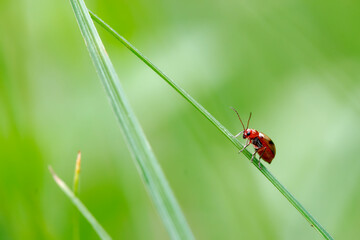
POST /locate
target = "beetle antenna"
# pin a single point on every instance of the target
(239, 117)
(248, 121)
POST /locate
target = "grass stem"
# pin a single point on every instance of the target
(218, 125)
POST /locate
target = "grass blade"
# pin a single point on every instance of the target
(145, 160)
(77, 174)
(219, 126)
(76, 226)
(81, 207)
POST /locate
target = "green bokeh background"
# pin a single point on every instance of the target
(294, 64)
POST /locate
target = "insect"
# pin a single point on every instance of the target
(263, 145)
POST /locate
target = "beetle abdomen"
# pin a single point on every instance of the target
(267, 155)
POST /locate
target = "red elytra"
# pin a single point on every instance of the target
(263, 145)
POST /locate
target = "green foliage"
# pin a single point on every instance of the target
(293, 64)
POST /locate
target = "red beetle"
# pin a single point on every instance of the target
(263, 145)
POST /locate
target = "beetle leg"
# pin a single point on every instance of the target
(238, 134)
(246, 144)
(252, 158)
(261, 156)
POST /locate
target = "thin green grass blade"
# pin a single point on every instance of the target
(76, 226)
(145, 160)
(81, 207)
(219, 126)
(77, 174)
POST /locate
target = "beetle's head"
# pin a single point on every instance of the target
(246, 133)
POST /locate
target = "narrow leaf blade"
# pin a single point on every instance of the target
(218, 125)
(145, 159)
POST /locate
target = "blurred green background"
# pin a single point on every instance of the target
(294, 64)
